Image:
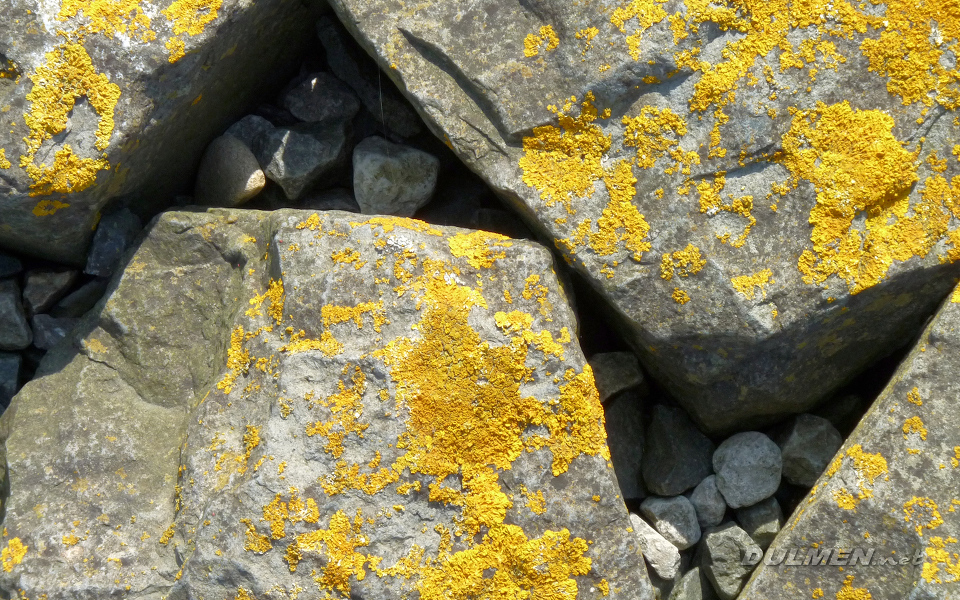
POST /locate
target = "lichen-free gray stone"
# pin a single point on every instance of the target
(77, 303)
(44, 287)
(392, 179)
(229, 174)
(321, 98)
(616, 372)
(675, 519)
(49, 331)
(708, 502)
(662, 556)
(693, 586)
(303, 157)
(722, 551)
(15, 331)
(762, 521)
(624, 424)
(806, 446)
(677, 454)
(748, 467)
(9, 376)
(115, 232)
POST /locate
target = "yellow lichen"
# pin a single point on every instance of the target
(941, 565)
(110, 17)
(275, 294)
(680, 296)
(238, 361)
(711, 202)
(913, 397)
(747, 285)
(923, 512)
(647, 13)
(914, 425)
(45, 208)
(476, 247)
(848, 592)
(70, 540)
(346, 408)
(531, 44)
(13, 554)
(4, 163)
(338, 544)
(188, 17)
(683, 263)
(867, 468)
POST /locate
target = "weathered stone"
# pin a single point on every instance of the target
(108, 100)
(693, 586)
(229, 174)
(761, 521)
(49, 331)
(285, 419)
(334, 199)
(713, 194)
(9, 266)
(80, 301)
(303, 157)
(624, 424)
(44, 287)
(322, 98)
(708, 502)
(115, 233)
(250, 129)
(391, 179)
(677, 455)
(722, 553)
(806, 446)
(14, 330)
(891, 488)
(748, 467)
(675, 519)
(662, 556)
(616, 372)
(376, 92)
(9, 376)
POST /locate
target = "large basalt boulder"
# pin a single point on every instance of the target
(762, 191)
(103, 99)
(357, 407)
(886, 510)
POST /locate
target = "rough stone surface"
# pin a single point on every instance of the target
(9, 266)
(84, 298)
(722, 552)
(391, 179)
(9, 376)
(662, 556)
(250, 129)
(696, 163)
(675, 519)
(806, 446)
(677, 454)
(762, 521)
(115, 233)
(708, 502)
(123, 103)
(302, 157)
(895, 478)
(49, 331)
(229, 174)
(322, 98)
(693, 586)
(616, 372)
(14, 330)
(624, 424)
(223, 436)
(748, 467)
(44, 287)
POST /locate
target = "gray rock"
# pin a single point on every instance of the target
(229, 174)
(376, 91)
(616, 372)
(303, 157)
(334, 199)
(119, 108)
(677, 455)
(708, 502)
(250, 129)
(9, 266)
(807, 445)
(322, 98)
(843, 411)
(693, 586)
(49, 331)
(762, 521)
(9, 376)
(892, 487)
(624, 424)
(14, 330)
(675, 519)
(84, 298)
(722, 552)
(44, 287)
(645, 140)
(662, 556)
(391, 179)
(115, 233)
(417, 442)
(748, 467)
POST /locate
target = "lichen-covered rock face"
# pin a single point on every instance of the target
(886, 509)
(108, 98)
(764, 190)
(274, 403)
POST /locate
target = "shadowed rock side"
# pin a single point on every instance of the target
(101, 99)
(889, 498)
(764, 190)
(372, 408)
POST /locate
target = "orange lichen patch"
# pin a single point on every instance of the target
(388, 224)
(858, 167)
(711, 202)
(275, 294)
(70, 540)
(244, 594)
(680, 297)
(332, 314)
(67, 75)
(867, 468)
(188, 17)
(620, 220)
(300, 343)
(338, 544)
(941, 565)
(520, 323)
(683, 263)
(748, 285)
(46, 208)
(4, 163)
(312, 223)
(913, 397)
(656, 132)
(914, 425)
(110, 17)
(238, 361)
(531, 44)
(647, 13)
(255, 542)
(13, 554)
(560, 162)
(476, 247)
(924, 512)
(251, 439)
(168, 534)
(346, 408)
(848, 592)
(348, 256)
(536, 502)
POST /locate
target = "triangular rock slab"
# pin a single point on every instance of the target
(890, 497)
(404, 410)
(710, 168)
